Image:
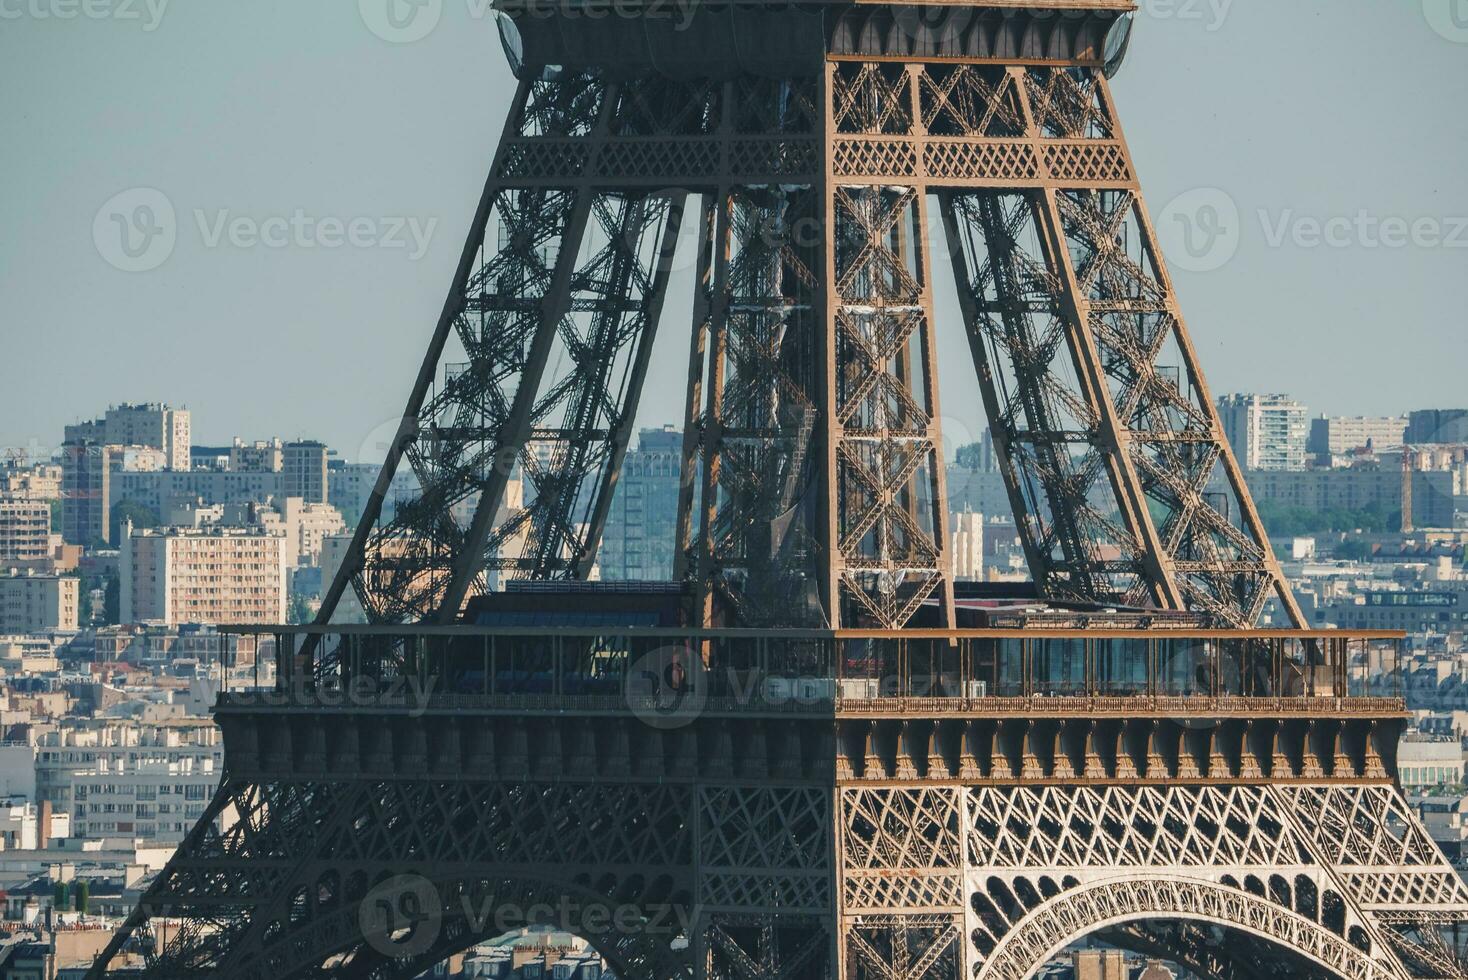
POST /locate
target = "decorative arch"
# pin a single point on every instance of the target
(1047, 930)
(335, 937)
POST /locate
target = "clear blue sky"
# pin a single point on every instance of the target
(1307, 110)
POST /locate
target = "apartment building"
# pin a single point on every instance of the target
(303, 527)
(39, 482)
(156, 491)
(1267, 432)
(1438, 425)
(637, 544)
(86, 492)
(25, 530)
(110, 775)
(257, 457)
(31, 603)
(153, 424)
(1337, 435)
(305, 468)
(209, 575)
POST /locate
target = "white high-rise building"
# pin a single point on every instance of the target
(968, 547)
(1267, 432)
(126, 778)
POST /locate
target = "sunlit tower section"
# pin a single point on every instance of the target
(813, 754)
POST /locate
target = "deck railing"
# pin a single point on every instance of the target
(1059, 671)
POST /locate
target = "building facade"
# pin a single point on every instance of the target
(41, 481)
(86, 492)
(156, 491)
(303, 527)
(305, 471)
(1337, 435)
(638, 542)
(153, 424)
(36, 603)
(210, 575)
(129, 779)
(968, 547)
(257, 457)
(1435, 494)
(1438, 425)
(1267, 432)
(1412, 612)
(25, 530)
(1428, 761)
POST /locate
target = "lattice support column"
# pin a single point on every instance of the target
(1124, 487)
(756, 547)
(888, 509)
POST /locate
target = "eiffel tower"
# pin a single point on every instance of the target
(814, 754)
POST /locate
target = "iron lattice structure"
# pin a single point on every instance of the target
(865, 836)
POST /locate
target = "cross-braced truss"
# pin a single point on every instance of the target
(813, 407)
(757, 316)
(891, 519)
(1341, 875)
(1121, 479)
(537, 365)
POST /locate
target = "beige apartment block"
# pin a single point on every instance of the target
(25, 530)
(304, 526)
(39, 482)
(35, 603)
(211, 575)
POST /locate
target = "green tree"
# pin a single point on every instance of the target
(61, 896)
(299, 613)
(141, 515)
(112, 603)
(83, 895)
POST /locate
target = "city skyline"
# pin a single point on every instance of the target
(264, 337)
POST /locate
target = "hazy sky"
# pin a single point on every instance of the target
(1345, 122)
